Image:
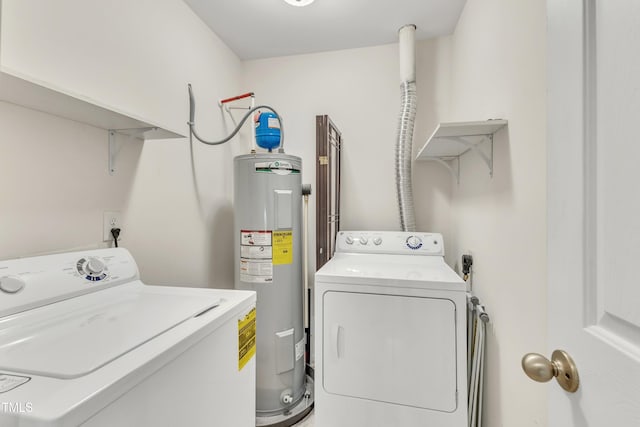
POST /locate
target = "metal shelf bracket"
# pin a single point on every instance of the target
(450, 141)
(475, 147)
(455, 171)
(113, 150)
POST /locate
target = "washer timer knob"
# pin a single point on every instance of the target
(363, 240)
(92, 269)
(377, 241)
(348, 240)
(414, 242)
(94, 266)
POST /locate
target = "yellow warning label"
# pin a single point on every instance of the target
(246, 338)
(282, 247)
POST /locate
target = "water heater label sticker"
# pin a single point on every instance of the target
(282, 247)
(255, 238)
(246, 338)
(255, 271)
(256, 256)
(256, 252)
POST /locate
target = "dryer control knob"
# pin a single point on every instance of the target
(11, 284)
(363, 240)
(94, 266)
(414, 242)
(348, 240)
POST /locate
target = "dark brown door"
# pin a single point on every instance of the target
(328, 146)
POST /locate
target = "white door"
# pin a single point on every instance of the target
(594, 208)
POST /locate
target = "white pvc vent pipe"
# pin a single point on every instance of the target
(406, 121)
(407, 41)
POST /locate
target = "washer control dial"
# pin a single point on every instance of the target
(363, 240)
(94, 266)
(11, 284)
(93, 269)
(414, 242)
(377, 241)
(348, 240)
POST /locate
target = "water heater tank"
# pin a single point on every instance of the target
(268, 260)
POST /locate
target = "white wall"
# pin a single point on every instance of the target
(498, 70)
(360, 90)
(54, 182)
(131, 56)
(178, 218)
(53, 172)
(492, 67)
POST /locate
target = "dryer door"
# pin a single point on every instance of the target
(395, 349)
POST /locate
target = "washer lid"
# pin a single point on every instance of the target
(425, 272)
(74, 337)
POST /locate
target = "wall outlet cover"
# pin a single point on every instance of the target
(110, 219)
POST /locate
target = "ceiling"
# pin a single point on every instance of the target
(267, 28)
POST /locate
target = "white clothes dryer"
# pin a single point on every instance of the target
(390, 333)
(84, 342)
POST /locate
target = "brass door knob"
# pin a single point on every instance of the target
(561, 366)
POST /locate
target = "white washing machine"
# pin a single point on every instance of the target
(84, 342)
(390, 333)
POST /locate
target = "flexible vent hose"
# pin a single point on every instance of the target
(403, 156)
(406, 123)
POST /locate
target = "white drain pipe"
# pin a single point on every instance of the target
(407, 41)
(406, 123)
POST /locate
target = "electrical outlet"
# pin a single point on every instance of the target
(110, 220)
(467, 263)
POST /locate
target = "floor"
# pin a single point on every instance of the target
(307, 422)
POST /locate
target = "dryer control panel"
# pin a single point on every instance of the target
(390, 242)
(27, 283)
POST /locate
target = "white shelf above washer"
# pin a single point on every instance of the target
(37, 95)
(449, 141)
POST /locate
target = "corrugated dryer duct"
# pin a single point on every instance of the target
(406, 123)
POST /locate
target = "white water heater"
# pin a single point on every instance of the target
(268, 260)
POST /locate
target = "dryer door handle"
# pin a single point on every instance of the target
(338, 339)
